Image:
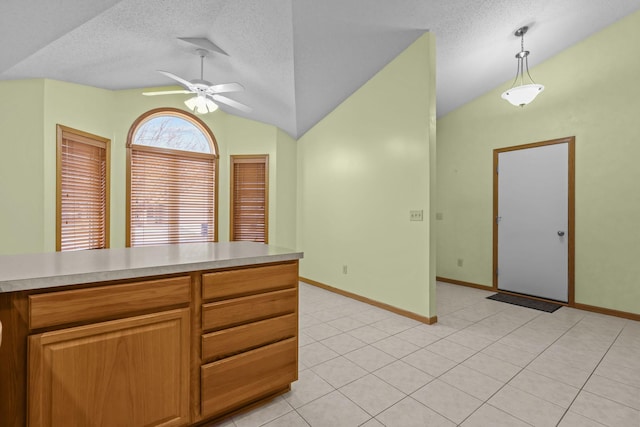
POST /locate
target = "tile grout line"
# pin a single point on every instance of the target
(588, 378)
(546, 348)
(440, 338)
(443, 373)
(524, 367)
(521, 369)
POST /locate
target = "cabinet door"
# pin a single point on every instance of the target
(128, 372)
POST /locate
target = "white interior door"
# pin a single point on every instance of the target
(532, 221)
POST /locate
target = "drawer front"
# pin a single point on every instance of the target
(238, 311)
(239, 380)
(103, 302)
(226, 342)
(246, 281)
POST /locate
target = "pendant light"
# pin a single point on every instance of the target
(522, 94)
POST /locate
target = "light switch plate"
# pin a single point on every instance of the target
(416, 215)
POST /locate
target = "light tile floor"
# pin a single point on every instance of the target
(485, 364)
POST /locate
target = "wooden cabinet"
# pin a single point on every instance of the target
(230, 341)
(127, 372)
(250, 336)
(103, 302)
(173, 350)
(238, 311)
(248, 281)
(239, 380)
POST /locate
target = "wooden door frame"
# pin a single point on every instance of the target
(570, 141)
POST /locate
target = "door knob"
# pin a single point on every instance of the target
(560, 233)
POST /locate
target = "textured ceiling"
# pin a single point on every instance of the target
(298, 59)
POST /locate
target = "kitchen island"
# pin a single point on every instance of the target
(169, 335)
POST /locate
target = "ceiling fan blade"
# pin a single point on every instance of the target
(166, 92)
(231, 103)
(180, 80)
(225, 87)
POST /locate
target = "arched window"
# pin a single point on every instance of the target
(171, 180)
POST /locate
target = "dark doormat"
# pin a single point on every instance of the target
(549, 307)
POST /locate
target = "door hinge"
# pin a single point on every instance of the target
(497, 170)
(498, 219)
(496, 272)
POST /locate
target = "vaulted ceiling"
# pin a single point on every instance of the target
(297, 59)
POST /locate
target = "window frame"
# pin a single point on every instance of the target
(95, 140)
(167, 111)
(248, 158)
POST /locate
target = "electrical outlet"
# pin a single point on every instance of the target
(460, 262)
(344, 269)
(415, 215)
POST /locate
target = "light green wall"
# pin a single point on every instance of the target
(283, 218)
(79, 107)
(360, 171)
(248, 137)
(21, 167)
(29, 112)
(592, 92)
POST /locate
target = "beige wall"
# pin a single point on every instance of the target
(360, 171)
(592, 92)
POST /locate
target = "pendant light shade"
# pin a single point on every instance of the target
(522, 94)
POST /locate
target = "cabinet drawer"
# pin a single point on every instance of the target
(239, 380)
(103, 302)
(238, 311)
(246, 281)
(216, 345)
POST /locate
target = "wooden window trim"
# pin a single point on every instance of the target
(157, 112)
(249, 158)
(65, 132)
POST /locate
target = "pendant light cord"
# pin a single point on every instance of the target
(526, 58)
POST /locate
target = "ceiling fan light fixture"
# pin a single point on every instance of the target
(201, 104)
(205, 92)
(522, 94)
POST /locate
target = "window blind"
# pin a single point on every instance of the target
(172, 196)
(82, 191)
(249, 191)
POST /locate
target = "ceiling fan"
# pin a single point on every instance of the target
(206, 92)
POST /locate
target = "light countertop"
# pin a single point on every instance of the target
(46, 270)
